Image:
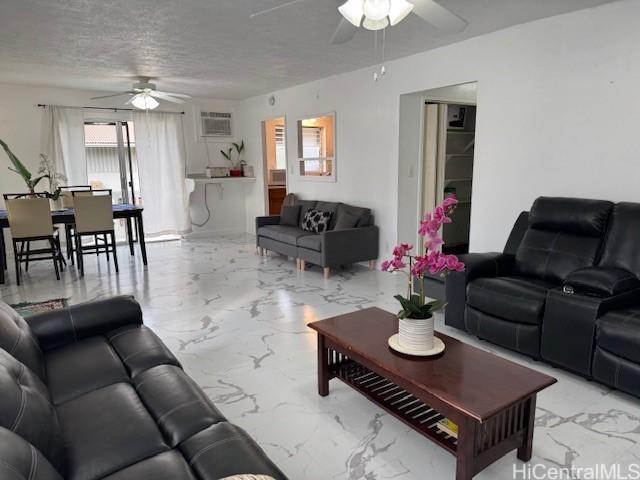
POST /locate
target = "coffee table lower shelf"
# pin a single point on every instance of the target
(395, 400)
(478, 445)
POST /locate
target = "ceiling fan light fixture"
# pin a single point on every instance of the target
(353, 11)
(376, 10)
(399, 10)
(375, 24)
(144, 101)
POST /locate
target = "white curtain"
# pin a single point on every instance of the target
(161, 167)
(62, 140)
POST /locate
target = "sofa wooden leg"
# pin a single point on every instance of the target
(327, 272)
(372, 264)
(297, 263)
(303, 265)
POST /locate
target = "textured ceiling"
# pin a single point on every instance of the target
(211, 47)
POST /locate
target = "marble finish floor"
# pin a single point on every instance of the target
(237, 322)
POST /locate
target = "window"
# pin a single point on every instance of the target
(312, 142)
(281, 148)
(316, 147)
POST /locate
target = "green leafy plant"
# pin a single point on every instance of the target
(415, 307)
(228, 154)
(48, 170)
(239, 151)
(20, 169)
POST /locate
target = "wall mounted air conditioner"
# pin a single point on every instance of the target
(216, 124)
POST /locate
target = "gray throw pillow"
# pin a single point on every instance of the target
(289, 215)
(346, 220)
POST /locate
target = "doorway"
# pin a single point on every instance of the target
(436, 153)
(274, 153)
(449, 145)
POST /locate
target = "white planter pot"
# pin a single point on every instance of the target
(55, 205)
(416, 334)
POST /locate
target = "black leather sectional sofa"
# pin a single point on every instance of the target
(565, 289)
(89, 392)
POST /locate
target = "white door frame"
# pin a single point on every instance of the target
(265, 170)
(440, 164)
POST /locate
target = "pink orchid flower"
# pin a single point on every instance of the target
(432, 242)
(402, 250)
(420, 266)
(397, 264)
(439, 215)
(450, 201)
(428, 226)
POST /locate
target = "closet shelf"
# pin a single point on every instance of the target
(447, 180)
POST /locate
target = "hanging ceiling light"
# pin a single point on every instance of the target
(144, 101)
(375, 14)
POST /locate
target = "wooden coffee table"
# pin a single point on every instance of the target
(492, 400)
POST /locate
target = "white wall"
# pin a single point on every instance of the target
(20, 122)
(557, 115)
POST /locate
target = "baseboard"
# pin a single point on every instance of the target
(219, 231)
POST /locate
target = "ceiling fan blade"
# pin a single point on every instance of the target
(438, 16)
(274, 8)
(113, 95)
(166, 96)
(344, 33)
(179, 95)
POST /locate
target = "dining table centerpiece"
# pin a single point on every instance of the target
(46, 169)
(415, 319)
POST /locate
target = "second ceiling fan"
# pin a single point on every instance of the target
(379, 14)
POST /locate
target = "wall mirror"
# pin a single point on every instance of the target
(316, 147)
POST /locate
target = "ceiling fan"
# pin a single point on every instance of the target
(379, 14)
(144, 95)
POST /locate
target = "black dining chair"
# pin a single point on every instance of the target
(30, 221)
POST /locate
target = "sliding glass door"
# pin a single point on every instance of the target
(112, 163)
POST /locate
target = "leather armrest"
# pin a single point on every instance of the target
(68, 325)
(342, 247)
(476, 265)
(600, 281)
(479, 265)
(577, 314)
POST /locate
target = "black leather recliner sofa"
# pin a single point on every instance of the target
(89, 392)
(565, 289)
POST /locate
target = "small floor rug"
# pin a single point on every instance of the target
(31, 308)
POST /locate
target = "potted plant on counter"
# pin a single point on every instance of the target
(415, 319)
(237, 164)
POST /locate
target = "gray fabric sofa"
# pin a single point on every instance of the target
(330, 249)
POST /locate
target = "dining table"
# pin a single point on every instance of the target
(66, 216)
